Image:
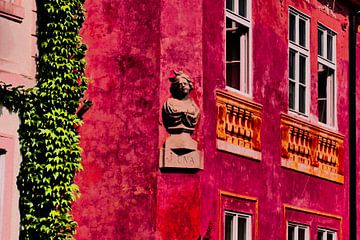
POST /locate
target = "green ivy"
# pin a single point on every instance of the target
(49, 143)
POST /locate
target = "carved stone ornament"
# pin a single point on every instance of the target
(180, 116)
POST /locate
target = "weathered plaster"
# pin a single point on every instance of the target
(133, 47)
(120, 131)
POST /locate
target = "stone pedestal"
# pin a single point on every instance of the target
(180, 151)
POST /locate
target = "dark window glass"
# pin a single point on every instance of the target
(320, 43)
(326, 87)
(330, 236)
(291, 65)
(292, 27)
(234, 31)
(241, 229)
(242, 8)
(302, 32)
(329, 47)
(230, 5)
(320, 235)
(332, 112)
(291, 95)
(322, 110)
(322, 92)
(302, 69)
(229, 222)
(301, 234)
(291, 233)
(302, 99)
(233, 75)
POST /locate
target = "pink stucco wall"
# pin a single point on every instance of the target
(120, 134)
(132, 47)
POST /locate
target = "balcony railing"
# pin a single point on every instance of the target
(238, 125)
(311, 149)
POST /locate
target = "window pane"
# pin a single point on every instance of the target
(322, 110)
(330, 236)
(302, 69)
(233, 33)
(322, 92)
(321, 235)
(241, 228)
(291, 233)
(329, 47)
(302, 32)
(301, 234)
(230, 5)
(229, 222)
(331, 96)
(302, 98)
(291, 95)
(320, 43)
(233, 75)
(292, 27)
(326, 94)
(232, 54)
(242, 8)
(291, 65)
(236, 55)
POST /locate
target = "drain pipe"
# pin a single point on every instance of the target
(352, 123)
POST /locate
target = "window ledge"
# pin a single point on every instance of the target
(11, 11)
(238, 125)
(311, 149)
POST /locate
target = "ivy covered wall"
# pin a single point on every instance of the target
(48, 116)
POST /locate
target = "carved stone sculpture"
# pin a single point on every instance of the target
(180, 116)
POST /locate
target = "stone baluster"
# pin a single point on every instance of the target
(221, 121)
(239, 121)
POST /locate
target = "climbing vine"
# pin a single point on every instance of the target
(49, 143)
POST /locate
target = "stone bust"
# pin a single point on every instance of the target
(180, 113)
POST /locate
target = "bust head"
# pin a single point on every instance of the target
(181, 85)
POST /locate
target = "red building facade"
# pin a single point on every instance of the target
(271, 79)
(274, 127)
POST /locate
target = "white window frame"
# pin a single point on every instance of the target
(300, 50)
(2, 187)
(332, 87)
(237, 215)
(297, 226)
(245, 58)
(325, 231)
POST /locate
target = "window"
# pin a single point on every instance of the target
(326, 76)
(325, 234)
(297, 232)
(238, 28)
(298, 61)
(237, 226)
(12, 9)
(2, 181)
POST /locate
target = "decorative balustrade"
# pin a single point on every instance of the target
(311, 149)
(238, 125)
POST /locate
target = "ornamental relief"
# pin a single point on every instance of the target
(311, 149)
(238, 125)
(180, 115)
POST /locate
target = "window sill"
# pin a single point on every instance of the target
(11, 11)
(238, 125)
(311, 149)
(294, 113)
